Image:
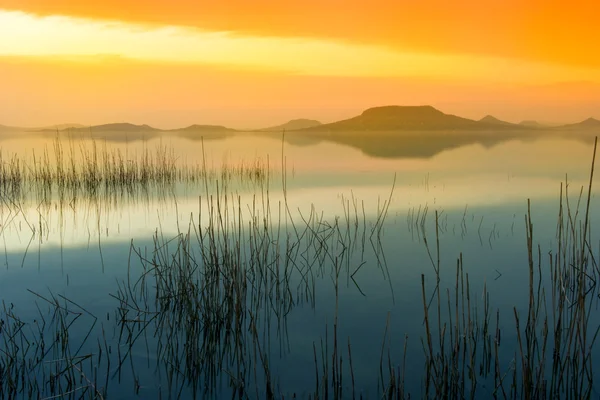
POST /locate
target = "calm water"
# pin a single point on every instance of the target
(368, 218)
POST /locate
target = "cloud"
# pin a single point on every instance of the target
(538, 30)
(66, 36)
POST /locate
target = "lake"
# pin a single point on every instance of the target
(271, 266)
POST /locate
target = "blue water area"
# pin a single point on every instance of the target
(348, 275)
(294, 318)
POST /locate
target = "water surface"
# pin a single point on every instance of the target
(334, 243)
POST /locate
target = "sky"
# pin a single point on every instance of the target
(251, 64)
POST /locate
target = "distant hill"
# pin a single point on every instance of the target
(408, 118)
(293, 125)
(4, 128)
(69, 126)
(532, 124)
(120, 127)
(115, 132)
(590, 123)
(131, 128)
(488, 119)
(61, 127)
(204, 128)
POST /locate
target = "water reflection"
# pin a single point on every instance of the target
(307, 283)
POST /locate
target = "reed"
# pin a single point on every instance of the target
(43, 360)
(555, 340)
(211, 304)
(94, 170)
(225, 288)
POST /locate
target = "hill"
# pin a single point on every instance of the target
(532, 124)
(116, 132)
(293, 125)
(590, 123)
(204, 128)
(489, 119)
(406, 118)
(60, 127)
(4, 128)
(106, 128)
(68, 126)
(120, 127)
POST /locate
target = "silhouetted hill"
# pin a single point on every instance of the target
(414, 131)
(60, 127)
(204, 128)
(532, 124)
(406, 118)
(115, 132)
(109, 128)
(489, 119)
(5, 128)
(67, 126)
(590, 123)
(53, 128)
(293, 125)
(121, 127)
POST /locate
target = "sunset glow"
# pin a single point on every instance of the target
(519, 47)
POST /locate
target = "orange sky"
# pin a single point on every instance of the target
(254, 63)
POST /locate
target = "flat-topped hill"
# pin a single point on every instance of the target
(415, 118)
(204, 128)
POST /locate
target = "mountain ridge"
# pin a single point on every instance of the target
(493, 120)
(381, 118)
(197, 127)
(589, 123)
(293, 125)
(406, 118)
